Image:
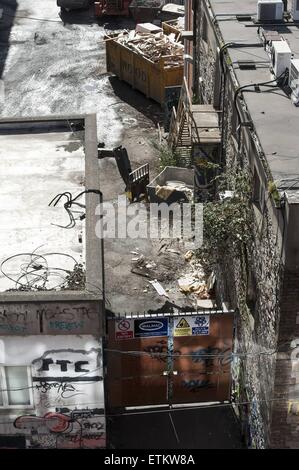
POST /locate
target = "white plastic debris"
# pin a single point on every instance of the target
(160, 289)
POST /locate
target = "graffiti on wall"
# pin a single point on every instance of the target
(196, 385)
(202, 365)
(79, 429)
(159, 349)
(17, 321)
(65, 377)
(67, 386)
(55, 318)
(69, 378)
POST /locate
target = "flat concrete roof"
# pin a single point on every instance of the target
(275, 118)
(40, 159)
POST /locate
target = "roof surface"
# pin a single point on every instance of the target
(275, 118)
(35, 165)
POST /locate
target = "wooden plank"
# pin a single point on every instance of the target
(205, 120)
(203, 108)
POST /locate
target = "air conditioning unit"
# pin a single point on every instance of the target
(270, 10)
(294, 81)
(281, 56)
(295, 10)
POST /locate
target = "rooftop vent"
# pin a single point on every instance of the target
(281, 57)
(270, 10)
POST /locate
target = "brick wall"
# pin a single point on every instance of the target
(285, 417)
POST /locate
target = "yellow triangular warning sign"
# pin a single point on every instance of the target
(183, 323)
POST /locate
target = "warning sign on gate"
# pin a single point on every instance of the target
(148, 328)
(192, 326)
(201, 325)
(182, 327)
(124, 329)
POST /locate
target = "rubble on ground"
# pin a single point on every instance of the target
(183, 274)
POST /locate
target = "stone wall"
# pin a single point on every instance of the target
(251, 281)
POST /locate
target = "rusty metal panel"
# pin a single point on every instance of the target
(193, 367)
(202, 368)
(134, 377)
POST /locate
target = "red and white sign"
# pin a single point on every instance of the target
(124, 329)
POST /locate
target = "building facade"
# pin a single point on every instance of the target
(231, 71)
(51, 281)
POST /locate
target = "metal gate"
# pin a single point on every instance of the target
(169, 359)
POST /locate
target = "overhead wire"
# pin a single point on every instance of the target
(172, 408)
(165, 355)
(44, 381)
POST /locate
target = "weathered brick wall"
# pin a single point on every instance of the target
(285, 419)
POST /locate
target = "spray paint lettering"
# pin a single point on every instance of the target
(63, 325)
(65, 390)
(64, 431)
(159, 350)
(196, 385)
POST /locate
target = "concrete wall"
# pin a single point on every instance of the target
(67, 391)
(266, 318)
(56, 333)
(57, 318)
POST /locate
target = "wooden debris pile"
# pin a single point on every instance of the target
(154, 47)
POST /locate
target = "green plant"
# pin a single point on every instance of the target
(196, 99)
(76, 279)
(229, 221)
(206, 164)
(166, 156)
(273, 191)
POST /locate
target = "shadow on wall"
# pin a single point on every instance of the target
(8, 8)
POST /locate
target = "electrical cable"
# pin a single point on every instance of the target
(166, 355)
(193, 355)
(243, 88)
(223, 48)
(70, 201)
(42, 382)
(186, 408)
(37, 269)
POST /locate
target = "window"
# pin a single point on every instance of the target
(15, 387)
